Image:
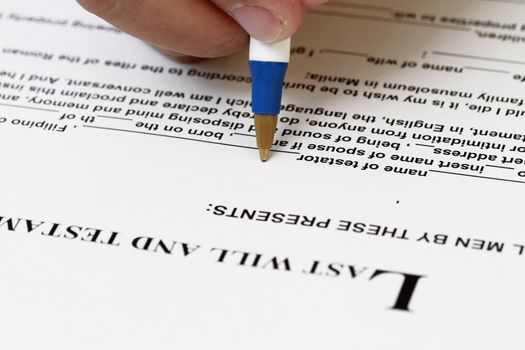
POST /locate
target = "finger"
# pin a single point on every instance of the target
(268, 20)
(314, 2)
(177, 56)
(189, 27)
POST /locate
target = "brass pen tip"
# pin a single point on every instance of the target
(264, 153)
(265, 125)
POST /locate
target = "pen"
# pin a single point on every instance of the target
(268, 64)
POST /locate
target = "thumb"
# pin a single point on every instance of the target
(266, 20)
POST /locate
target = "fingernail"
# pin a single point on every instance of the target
(259, 22)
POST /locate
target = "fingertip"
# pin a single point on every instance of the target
(266, 20)
(100, 7)
(176, 56)
(310, 3)
(259, 22)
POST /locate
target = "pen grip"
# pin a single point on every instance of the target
(267, 86)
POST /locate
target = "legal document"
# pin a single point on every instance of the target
(135, 213)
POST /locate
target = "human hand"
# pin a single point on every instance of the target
(203, 28)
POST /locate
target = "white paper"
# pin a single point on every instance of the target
(389, 215)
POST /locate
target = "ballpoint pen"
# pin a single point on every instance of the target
(268, 64)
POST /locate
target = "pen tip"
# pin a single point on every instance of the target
(264, 153)
(265, 125)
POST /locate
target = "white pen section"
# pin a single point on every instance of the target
(274, 52)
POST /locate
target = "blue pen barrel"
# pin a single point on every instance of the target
(267, 86)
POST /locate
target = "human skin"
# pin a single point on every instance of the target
(186, 29)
